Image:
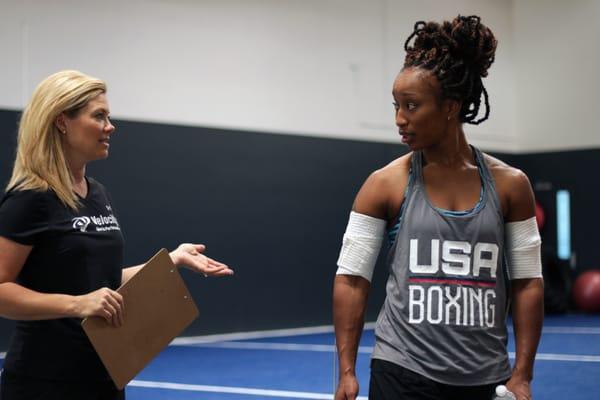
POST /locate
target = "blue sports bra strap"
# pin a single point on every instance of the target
(416, 169)
(488, 179)
(483, 168)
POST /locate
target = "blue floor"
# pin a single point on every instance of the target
(301, 366)
(568, 366)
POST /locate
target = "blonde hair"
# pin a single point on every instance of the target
(40, 162)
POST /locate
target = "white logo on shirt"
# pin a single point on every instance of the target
(450, 289)
(457, 258)
(102, 223)
(81, 223)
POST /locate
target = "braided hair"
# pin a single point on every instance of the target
(459, 54)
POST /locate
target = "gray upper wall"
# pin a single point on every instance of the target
(310, 67)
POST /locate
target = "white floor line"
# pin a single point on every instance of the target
(233, 390)
(567, 357)
(313, 330)
(228, 337)
(366, 350)
(326, 348)
(188, 340)
(369, 350)
(577, 330)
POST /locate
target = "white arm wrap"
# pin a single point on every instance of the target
(523, 244)
(361, 245)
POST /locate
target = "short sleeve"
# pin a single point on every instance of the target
(23, 216)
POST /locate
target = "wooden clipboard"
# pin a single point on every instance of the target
(158, 307)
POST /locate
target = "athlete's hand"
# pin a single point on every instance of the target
(189, 255)
(104, 302)
(520, 388)
(347, 388)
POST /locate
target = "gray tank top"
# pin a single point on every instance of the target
(444, 315)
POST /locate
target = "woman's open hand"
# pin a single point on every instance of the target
(189, 255)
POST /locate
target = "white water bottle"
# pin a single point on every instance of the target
(502, 393)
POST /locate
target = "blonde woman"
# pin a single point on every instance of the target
(61, 247)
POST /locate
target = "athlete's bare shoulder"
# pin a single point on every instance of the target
(513, 188)
(504, 173)
(384, 188)
(395, 170)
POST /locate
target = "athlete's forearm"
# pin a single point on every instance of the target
(20, 303)
(528, 316)
(350, 295)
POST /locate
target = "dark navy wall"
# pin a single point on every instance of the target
(274, 207)
(8, 140)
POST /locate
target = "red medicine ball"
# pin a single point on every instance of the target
(586, 291)
(540, 215)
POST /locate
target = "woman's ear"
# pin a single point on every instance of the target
(452, 108)
(60, 123)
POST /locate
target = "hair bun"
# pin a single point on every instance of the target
(474, 43)
(459, 54)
